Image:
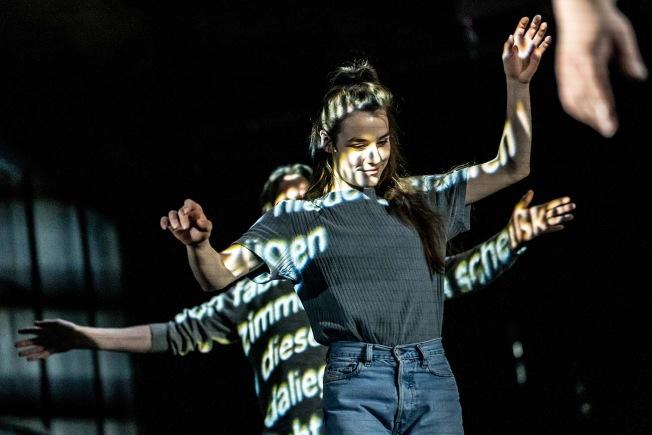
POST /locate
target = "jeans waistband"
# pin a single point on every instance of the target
(367, 352)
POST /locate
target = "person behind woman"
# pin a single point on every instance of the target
(365, 250)
(225, 318)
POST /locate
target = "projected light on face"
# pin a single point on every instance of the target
(361, 150)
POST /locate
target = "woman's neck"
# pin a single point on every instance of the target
(340, 185)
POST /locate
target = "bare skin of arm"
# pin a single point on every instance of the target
(213, 270)
(471, 270)
(56, 335)
(53, 336)
(522, 53)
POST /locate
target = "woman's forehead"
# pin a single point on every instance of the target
(375, 123)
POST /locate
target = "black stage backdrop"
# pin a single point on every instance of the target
(129, 107)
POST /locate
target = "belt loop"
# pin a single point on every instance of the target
(422, 353)
(368, 354)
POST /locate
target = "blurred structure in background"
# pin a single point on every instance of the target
(96, 93)
(59, 259)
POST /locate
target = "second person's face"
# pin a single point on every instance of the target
(292, 187)
(362, 149)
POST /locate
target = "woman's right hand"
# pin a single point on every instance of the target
(189, 224)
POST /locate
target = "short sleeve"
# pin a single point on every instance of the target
(446, 194)
(270, 238)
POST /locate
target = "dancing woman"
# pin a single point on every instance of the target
(365, 249)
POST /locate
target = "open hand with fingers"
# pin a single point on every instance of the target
(528, 222)
(188, 224)
(51, 336)
(523, 50)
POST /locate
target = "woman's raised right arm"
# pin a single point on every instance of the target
(213, 270)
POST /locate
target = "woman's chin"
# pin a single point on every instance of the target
(366, 180)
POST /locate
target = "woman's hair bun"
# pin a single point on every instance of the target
(356, 72)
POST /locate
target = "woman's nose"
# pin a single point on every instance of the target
(374, 156)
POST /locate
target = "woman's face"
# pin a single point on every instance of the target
(361, 149)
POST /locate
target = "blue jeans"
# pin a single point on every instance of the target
(375, 389)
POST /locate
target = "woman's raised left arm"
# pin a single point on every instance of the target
(522, 53)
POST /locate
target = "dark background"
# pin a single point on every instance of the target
(129, 107)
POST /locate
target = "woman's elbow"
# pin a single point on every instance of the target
(209, 287)
(521, 174)
(517, 174)
(212, 288)
(217, 285)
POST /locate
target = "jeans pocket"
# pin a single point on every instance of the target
(338, 370)
(438, 365)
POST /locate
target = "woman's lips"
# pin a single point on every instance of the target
(371, 171)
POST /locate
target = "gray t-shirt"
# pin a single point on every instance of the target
(360, 271)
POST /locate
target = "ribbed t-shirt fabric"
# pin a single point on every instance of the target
(359, 270)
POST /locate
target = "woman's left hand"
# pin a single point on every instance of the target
(523, 50)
